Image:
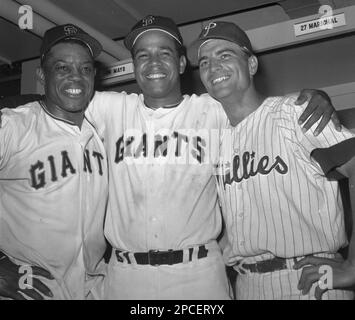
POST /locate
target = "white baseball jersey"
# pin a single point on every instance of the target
(162, 189)
(53, 182)
(275, 198)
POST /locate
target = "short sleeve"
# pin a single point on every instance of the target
(307, 141)
(101, 107)
(7, 138)
(335, 156)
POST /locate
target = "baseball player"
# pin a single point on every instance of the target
(53, 179)
(163, 218)
(277, 203)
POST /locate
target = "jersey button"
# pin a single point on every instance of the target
(241, 215)
(242, 243)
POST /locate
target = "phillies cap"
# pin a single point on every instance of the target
(66, 32)
(150, 23)
(219, 30)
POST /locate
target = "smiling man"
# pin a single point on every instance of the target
(163, 218)
(277, 185)
(53, 179)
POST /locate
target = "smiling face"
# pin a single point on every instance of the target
(68, 73)
(225, 69)
(158, 67)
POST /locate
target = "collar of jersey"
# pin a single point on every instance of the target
(161, 110)
(43, 105)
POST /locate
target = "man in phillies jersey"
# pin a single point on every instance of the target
(277, 184)
(53, 179)
(163, 218)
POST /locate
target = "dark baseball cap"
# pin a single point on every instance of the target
(69, 31)
(219, 30)
(150, 23)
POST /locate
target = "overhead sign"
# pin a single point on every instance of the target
(117, 70)
(320, 24)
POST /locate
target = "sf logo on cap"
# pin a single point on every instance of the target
(207, 29)
(147, 21)
(69, 30)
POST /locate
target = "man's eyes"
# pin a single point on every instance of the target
(203, 63)
(166, 53)
(67, 69)
(225, 55)
(62, 68)
(141, 56)
(87, 70)
(162, 54)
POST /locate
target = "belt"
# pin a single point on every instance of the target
(265, 266)
(157, 258)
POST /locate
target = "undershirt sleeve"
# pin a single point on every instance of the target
(333, 157)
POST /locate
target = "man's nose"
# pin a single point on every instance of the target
(215, 64)
(75, 73)
(155, 59)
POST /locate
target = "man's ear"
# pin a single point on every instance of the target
(40, 75)
(183, 63)
(253, 65)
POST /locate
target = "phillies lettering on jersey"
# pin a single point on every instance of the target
(40, 172)
(247, 167)
(275, 199)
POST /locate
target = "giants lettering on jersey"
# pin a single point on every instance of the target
(248, 167)
(136, 146)
(62, 166)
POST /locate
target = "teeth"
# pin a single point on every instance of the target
(73, 91)
(156, 76)
(220, 79)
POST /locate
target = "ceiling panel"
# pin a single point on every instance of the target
(17, 44)
(114, 18)
(185, 11)
(104, 15)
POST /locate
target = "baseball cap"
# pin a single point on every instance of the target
(65, 32)
(150, 23)
(219, 30)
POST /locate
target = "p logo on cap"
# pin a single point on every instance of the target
(207, 29)
(219, 30)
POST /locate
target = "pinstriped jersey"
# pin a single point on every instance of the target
(53, 192)
(274, 196)
(161, 163)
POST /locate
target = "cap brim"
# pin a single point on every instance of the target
(193, 49)
(130, 39)
(94, 46)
